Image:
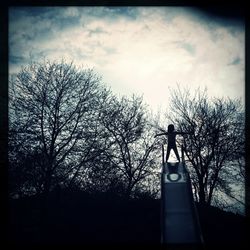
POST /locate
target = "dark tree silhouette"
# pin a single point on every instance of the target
(131, 140)
(217, 142)
(52, 110)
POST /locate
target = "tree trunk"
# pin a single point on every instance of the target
(202, 196)
(129, 188)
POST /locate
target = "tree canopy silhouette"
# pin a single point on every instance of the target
(132, 144)
(52, 112)
(217, 143)
(67, 128)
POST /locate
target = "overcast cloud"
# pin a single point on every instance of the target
(142, 50)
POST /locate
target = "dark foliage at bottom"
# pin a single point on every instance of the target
(82, 219)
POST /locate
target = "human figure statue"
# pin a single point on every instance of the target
(171, 135)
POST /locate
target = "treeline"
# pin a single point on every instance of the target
(68, 130)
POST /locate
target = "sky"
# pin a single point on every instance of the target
(136, 50)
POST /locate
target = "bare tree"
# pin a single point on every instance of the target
(131, 140)
(53, 109)
(217, 142)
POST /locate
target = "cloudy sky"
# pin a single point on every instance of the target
(141, 50)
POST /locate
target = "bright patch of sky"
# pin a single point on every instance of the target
(141, 50)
